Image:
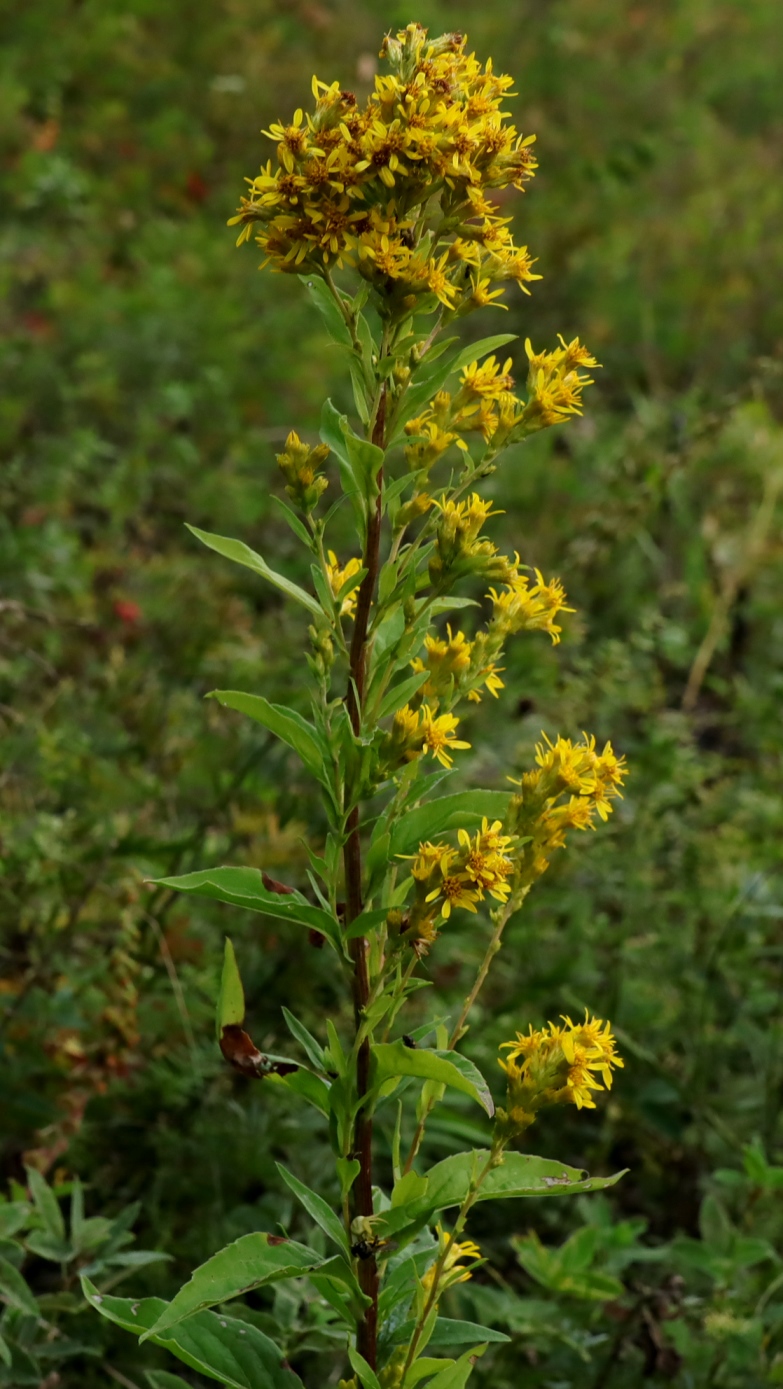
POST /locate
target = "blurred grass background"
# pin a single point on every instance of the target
(149, 375)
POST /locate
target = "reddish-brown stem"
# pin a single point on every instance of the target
(352, 857)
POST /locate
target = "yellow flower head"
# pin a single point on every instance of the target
(488, 381)
(449, 1266)
(529, 607)
(560, 1065)
(421, 730)
(439, 735)
(338, 576)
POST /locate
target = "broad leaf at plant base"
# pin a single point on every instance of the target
(248, 1263)
(233, 1352)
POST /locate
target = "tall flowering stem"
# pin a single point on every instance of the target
(387, 211)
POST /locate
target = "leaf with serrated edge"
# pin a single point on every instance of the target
(233, 1352)
(248, 1263)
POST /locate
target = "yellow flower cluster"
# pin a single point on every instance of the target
(421, 730)
(455, 666)
(338, 575)
(448, 1264)
(299, 465)
(558, 1065)
(398, 187)
(555, 384)
(590, 781)
(523, 606)
(485, 404)
(459, 549)
(460, 877)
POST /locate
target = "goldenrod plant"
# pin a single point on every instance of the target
(388, 213)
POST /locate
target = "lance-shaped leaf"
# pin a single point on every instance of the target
(322, 297)
(241, 553)
(286, 724)
(520, 1174)
(231, 999)
(464, 810)
(395, 1059)
(14, 1290)
(359, 461)
(316, 1207)
(233, 1352)
(244, 887)
(248, 1263)
(457, 1375)
(450, 1333)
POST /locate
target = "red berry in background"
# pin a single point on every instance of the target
(126, 611)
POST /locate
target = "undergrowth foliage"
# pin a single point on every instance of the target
(387, 212)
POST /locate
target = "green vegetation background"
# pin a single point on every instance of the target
(149, 376)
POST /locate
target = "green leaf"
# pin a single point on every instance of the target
(426, 1365)
(321, 296)
(297, 526)
(447, 1067)
(241, 553)
(348, 1170)
(46, 1204)
(306, 1040)
(449, 1333)
(359, 461)
(5, 1352)
(14, 1290)
(244, 887)
(308, 1086)
(521, 1174)
(316, 1207)
(464, 810)
(233, 1352)
(457, 1375)
(231, 999)
(286, 724)
(399, 695)
(367, 1376)
(427, 383)
(248, 1263)
(14, 1216)
(161, 1379)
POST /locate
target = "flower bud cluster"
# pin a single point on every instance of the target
(457, 666)
(459, 548)
(299, 465)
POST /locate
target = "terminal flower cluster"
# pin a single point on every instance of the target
(354, 183)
